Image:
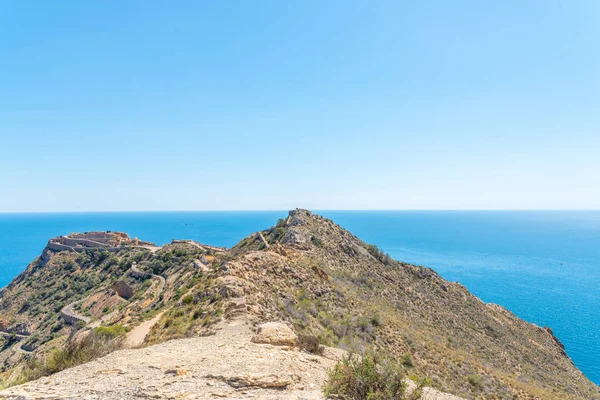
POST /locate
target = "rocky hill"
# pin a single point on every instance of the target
(306, 272)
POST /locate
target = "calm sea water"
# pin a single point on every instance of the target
(543, 266)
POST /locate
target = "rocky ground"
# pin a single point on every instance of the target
(226, 365)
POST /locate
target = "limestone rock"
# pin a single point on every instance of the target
(271, 381)
(176, 371)
(275, 333)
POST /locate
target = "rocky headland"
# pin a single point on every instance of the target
(188, 320)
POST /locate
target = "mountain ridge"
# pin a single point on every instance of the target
(324, 281)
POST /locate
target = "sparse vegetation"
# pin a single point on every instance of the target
(366, 378)
(110, 332)
(407, 361)
(378, 254)
(329, 290)
(96, 343)
(310, 343)
(316, 241)
(474, 380)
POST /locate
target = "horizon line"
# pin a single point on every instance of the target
(312, 210)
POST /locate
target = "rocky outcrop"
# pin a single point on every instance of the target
(275, 333)
(294, 233)
(262, 239)
(556, 341)
(226, 365)
(260, 381)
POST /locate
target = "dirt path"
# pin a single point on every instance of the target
(138, 334)
(17, 348)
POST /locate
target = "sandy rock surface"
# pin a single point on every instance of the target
(275, 333)
(226, 365)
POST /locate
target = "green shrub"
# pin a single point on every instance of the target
(310, 343)
(474, 380)
(316, 241)
(367, 378)
(178, 313)
(70, 265)
(179, 292)
(376, 320)
(197, 313)
(57, 327)
(110, 332)
(189, 299)
(378, 254)
(407, 361)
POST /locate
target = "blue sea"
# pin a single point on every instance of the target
(542, 265)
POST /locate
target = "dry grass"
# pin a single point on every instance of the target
(97, 343)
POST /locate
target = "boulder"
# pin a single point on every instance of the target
(275, 333)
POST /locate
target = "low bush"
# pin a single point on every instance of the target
(378, 254)
(376, 320)
(407, 361)
(316, 241)
(310, 343)
(474, 380)
(367, 378)
(110, 332)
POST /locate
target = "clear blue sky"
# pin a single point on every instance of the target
(194, 105)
